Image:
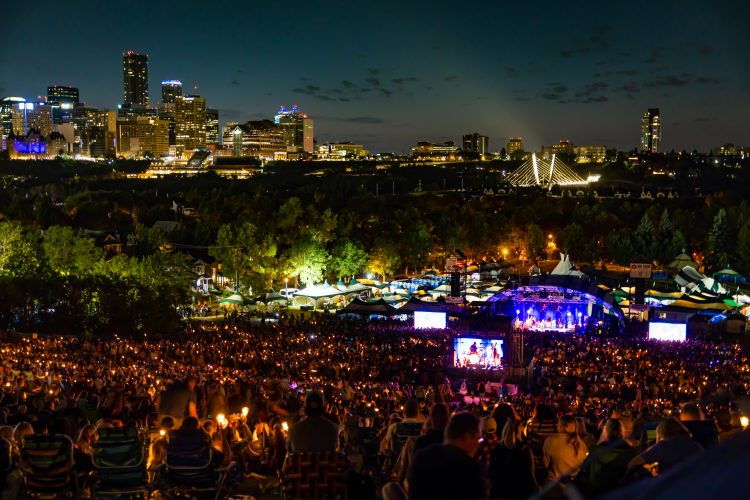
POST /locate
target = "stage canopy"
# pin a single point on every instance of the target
(554, 301)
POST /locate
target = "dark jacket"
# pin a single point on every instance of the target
(703, 432)
(605, 467)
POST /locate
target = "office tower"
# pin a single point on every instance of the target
(142, 136)
(297, 128)
(94, 131)
(190, 122)
(6, 117)
(212, 127)
(262, 139)
(514, 144)
(340, 151)
(58, 94)
(135, 78)
(651, 131)
(170, 89)
(28, 116)
(63, 98)
(475, 143)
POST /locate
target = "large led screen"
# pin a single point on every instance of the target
(673, 332)
(476, 352)
(424, 319)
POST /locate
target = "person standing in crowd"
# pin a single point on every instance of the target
(448, 471)
(511, 470)
(438, 420)
(399, 432)
(488, 442)
(564, 451)
(540, 427)
(314, 432)
(502, 413)
(178, 401)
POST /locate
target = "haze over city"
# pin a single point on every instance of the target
(583, 72)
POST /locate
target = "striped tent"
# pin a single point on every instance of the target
(692, 281)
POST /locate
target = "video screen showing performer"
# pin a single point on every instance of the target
(477, 353)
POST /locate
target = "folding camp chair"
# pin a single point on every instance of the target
(119, 457)
(315, 475)
(189, 466)
(47, 467)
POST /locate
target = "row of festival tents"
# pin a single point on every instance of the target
(696, 291)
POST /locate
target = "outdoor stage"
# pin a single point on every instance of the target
(558, 303)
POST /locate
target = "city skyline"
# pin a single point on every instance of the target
(584, 78)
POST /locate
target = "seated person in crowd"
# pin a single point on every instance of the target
(673, 445)
(314, 432)
(448, 471)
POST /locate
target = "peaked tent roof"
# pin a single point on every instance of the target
(682, 260)
(415, 304)
(358, 306)
(319, 291)
(565, 267)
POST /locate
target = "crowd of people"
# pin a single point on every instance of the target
(595, 413)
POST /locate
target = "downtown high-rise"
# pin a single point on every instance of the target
(651, 131)
(63, 98)
(297, 128)
(190, 122)
(135, 79)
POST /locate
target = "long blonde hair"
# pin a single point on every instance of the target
(157, 453)
(512, 433)
(567, 425)
(85, 438)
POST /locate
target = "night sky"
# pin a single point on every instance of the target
(387, 75)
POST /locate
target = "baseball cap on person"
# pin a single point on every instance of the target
(490, 426)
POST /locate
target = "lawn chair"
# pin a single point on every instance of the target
(315, 475)
(189, 466)
(47, 467)
(119, 457)
(369, 445)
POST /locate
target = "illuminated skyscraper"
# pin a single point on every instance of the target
(58, 94)
(298, 129)
(95, 131)
(475, 143)
(514, 144)
(135, 78)
(190, 122)
(212, 127)
(28, 116)
(6, 117)
(170, 89)
(63, 98)
(142, 136)
(262, 139)
(651, 131)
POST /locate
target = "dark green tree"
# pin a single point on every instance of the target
(70, 252)
(348, 258)
(720, 241)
